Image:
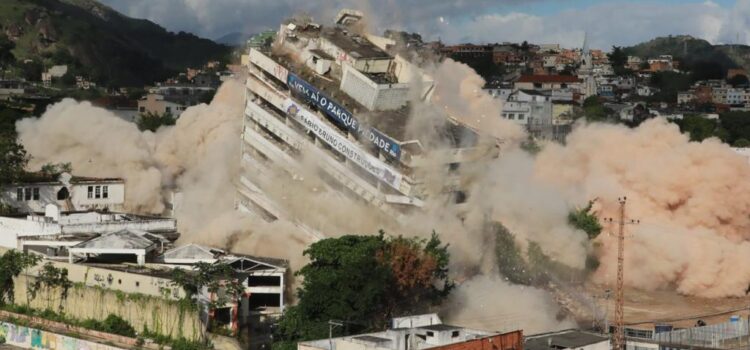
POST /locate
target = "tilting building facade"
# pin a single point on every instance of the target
(331, 94)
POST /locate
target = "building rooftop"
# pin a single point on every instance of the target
(567, 339)
(427, 331)
(440, 327)
(392, 123)
(548, 79)
(123, 239)
(353, 44)
(57, 178)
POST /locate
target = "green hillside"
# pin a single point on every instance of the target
(693, 53)
(98, 42)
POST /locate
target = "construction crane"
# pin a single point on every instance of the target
(618, 341)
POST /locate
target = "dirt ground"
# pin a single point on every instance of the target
(644, 308)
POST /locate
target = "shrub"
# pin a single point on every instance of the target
(116, 325)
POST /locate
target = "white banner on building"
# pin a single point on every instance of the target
(341, 144)
(269, 65)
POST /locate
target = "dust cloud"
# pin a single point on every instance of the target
(489, 302)
(197, 157)
(692, 200)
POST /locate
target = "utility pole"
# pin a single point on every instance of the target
(331, 325)
(619, 337)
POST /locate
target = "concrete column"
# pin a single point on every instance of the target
(71, 258)
(141, 259)
(281, 294)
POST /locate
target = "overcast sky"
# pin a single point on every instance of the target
(607, 22)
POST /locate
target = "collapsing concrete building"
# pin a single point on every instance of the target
(331, 94)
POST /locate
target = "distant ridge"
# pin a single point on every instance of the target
(101, 43)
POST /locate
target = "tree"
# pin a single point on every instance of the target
(737, 125)
(585, 221)
(741, 143)
(698, 127)
(364, 281)
(618, 58)
(32, 70)
(54, 169)
(419, 270)
(50, 278)
(219, 279)
(153, 121)
(594, 110)
(6, 51)
(12, 263)
(13, 158)
(738, 80)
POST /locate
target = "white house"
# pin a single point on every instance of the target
(645, 90)
(72, 193)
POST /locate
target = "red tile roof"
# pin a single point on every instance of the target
(548, 79)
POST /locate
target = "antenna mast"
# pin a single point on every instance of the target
(618, 342)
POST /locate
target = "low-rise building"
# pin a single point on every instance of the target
(10, 88)
(157, 104)
(548, 82)
(54, 72)
(685, 97)
(572, 339)
(59, 230)
(419, 333)
(73, 193)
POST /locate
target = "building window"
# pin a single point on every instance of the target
(455, 334)
(97, 192)
(105, 191)
(36, 193)
(91, 192)
(168, 109)
(430, 334)
(27, 194)
(137, 284)
(521, 117)
(19, 194)
(63, 194)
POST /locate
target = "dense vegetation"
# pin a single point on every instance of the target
(153, 121)
(363, 281)
(731, 127)
(97, 42)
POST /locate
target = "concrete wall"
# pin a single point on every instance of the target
(160, 315)
(506, 341)
(11, 228)
(372, 95)
(32, 338)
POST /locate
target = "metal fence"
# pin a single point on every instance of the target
(729, 335)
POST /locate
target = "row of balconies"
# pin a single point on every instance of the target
(330, 165)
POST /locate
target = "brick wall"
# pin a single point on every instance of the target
(506, 341)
